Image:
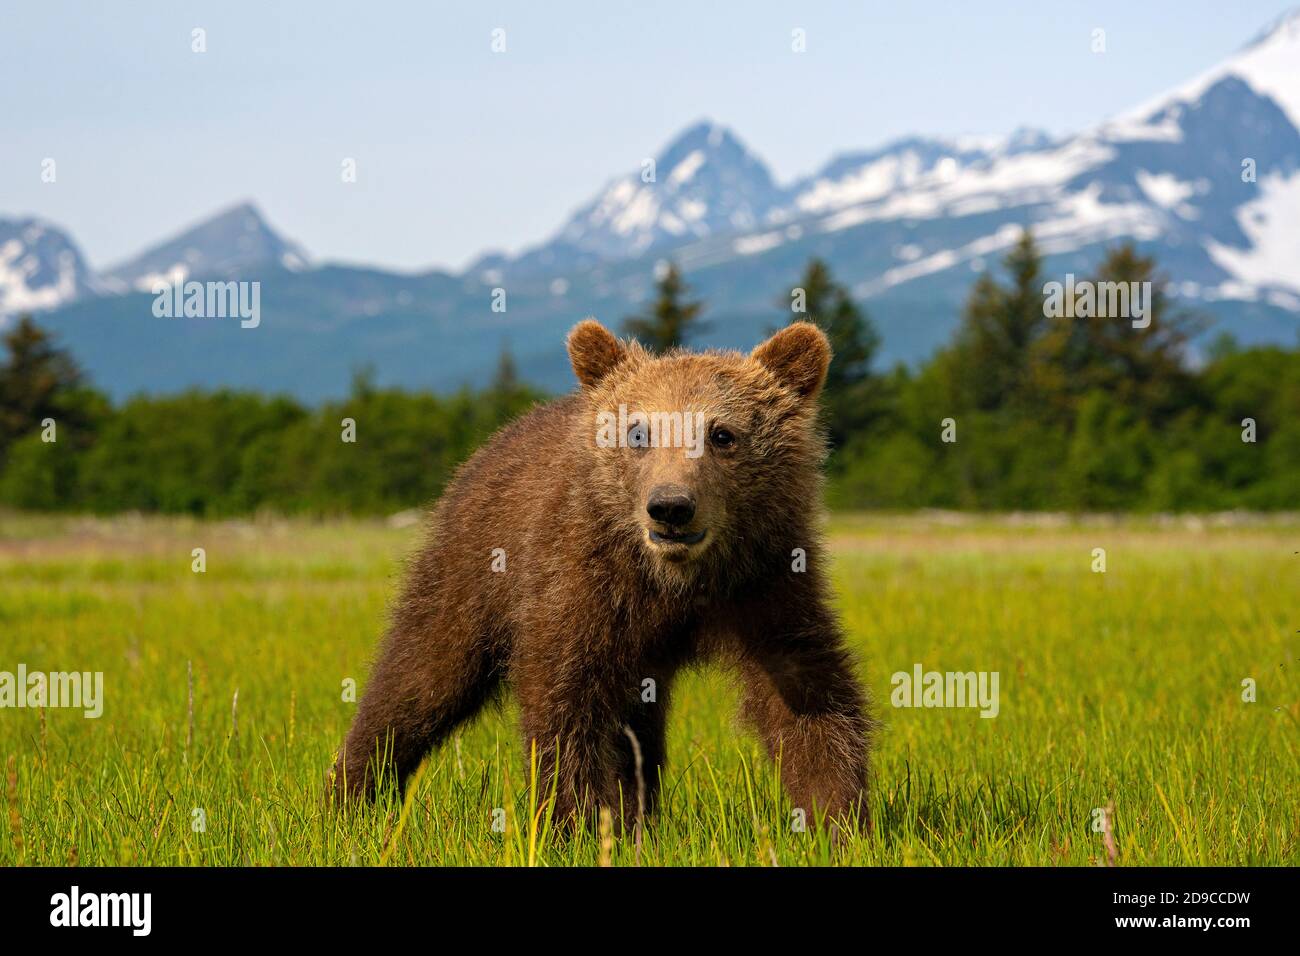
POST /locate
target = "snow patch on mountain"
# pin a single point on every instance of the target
(863, 177)
(1272, 224)
(870, 181)
(687, 168)
(1165, 189)
(1002, 182)
(40, 268)
(19, 294)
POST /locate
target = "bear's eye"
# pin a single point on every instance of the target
(638, 435)
(722, 438)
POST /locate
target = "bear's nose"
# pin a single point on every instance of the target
(670, 504)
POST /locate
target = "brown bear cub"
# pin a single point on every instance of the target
(663, 515)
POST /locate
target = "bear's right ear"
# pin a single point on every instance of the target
(594, 352)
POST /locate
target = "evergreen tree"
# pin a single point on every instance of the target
(38, 380)
(1141, 367)
(999, 326)
(671, 320)
(506, 396)
(506, 380)
(850, 397)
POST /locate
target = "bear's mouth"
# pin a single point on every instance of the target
(677, 537)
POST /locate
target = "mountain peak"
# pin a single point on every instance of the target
(704, 134)
(230, 243)
(1267, 64)
(40, 267)
(1285, 29)
(704, 182)
(702, 143)
(245, 207)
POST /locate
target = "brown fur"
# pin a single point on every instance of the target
(588, 606)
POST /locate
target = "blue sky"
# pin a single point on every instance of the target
(460, 149)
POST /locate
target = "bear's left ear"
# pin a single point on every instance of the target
(594, 352)
(798, 356)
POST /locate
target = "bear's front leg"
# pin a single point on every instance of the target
(801, 694)
(576, 728)
(575, 757)
(435, 671)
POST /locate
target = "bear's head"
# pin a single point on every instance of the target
(703, 459)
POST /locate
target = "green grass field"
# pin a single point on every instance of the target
(1120, 689)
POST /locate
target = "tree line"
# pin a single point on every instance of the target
(64, 446)
(1024, 408)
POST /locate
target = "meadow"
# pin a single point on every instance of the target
(1121, 738)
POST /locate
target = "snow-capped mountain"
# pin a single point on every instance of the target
(711, 183)
(1206, 178)
(227, 245)
(1206, 175)
(704, 183)
(864, 176)
(1172, 178)
(40, 268)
